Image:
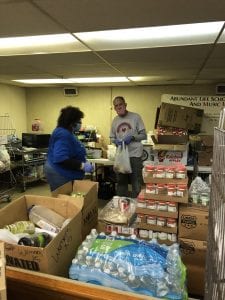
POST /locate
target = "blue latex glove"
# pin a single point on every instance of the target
(118, 142)
(127, 140)
(88, 167)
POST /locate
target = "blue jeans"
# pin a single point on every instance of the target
(135, 178)
(54, 179)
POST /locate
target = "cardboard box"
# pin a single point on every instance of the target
(65, 189)
(171, 156)
(193, 222)
(170, 147)
(193, 252)
(125, 230)
(195, 280)
(201, 141)
(86, 199)
(170, 135)
(180, 116)
(193, 255)
(2, 272)
(56, 257)
(205, 158)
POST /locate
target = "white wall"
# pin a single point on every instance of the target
(24, 105)
(96, 103)
(13, 103)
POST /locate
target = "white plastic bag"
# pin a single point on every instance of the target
(122, 160)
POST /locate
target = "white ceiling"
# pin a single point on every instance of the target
(198, 64)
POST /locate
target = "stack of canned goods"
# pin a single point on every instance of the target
(169, 171)
(157, 205)
(174, 190)
(156, 220)
(122, 203)
(150, 234)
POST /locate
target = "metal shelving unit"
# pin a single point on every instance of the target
(7, 179)
(215, 261)
(30, 165)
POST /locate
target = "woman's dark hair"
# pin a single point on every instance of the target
(68, 116)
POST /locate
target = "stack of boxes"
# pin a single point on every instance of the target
(203, 145)
(173, 124)
(157, 206)
(193, 231)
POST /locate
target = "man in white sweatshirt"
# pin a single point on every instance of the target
(129, 128)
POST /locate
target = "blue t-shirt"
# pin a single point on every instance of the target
(64, 145)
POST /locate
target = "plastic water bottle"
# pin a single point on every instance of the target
(90, 262)
(122, 274)
(94, 232)
(110, 267)
(152, 279)
(133, 281)
(81, 257)
(46, 218)
(21, 227)
(90, 239)
(173, 263)
(36, 240)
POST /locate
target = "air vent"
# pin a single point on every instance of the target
(220, 89)
(70, 92)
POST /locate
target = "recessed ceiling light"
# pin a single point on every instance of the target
(74, 80)
(150, 37)
(40, 44)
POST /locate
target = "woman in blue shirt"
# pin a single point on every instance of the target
(66, 160)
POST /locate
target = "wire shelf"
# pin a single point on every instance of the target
(215, 260)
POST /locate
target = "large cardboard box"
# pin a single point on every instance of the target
(56, 257)
(170, 135)
(2, 272)
(205, 158)
(167, 156)
(195, 280)
(193, 254)
(85, 197)
(203, 144)
(180, 116)
(193, 222)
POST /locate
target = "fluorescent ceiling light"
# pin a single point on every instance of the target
(150, 37)
(145, 37)
(99, 79)
(74, 80)
(42, 81)
(222, 38)
(40, 44)
(144, 78)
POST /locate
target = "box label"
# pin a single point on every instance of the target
(22, 263)
(188, 221)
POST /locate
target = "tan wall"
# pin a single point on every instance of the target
(24, 105)
(96, 103)
(13, 103)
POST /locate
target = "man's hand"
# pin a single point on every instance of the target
(128, 139)
(118, 142)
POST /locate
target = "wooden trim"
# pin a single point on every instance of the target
(26, 285)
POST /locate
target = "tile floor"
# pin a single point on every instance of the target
(40, 188)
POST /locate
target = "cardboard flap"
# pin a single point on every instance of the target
(63, 207)
(14, 211)
(78, 201)
(66, 189)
